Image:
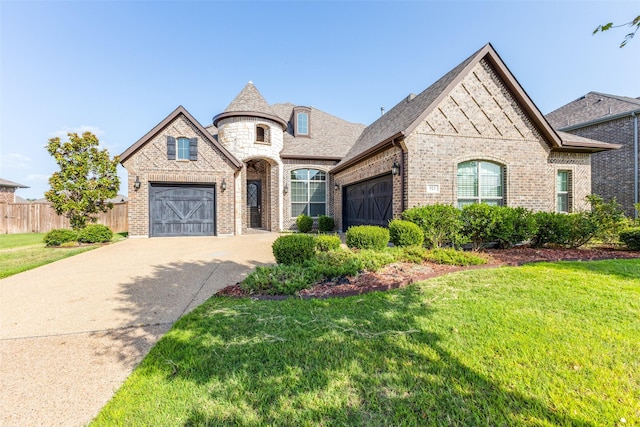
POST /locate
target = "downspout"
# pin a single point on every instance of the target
(635, 161)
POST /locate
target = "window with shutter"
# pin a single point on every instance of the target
(171, 148)
(193, 149)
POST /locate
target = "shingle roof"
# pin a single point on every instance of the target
(249, 102)
(330, 137)
(590, 107)
(10, 184)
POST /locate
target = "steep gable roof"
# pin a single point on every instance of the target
(249, 102)
(594, 106)
(170, 118)
(403, 118)
(330, 137)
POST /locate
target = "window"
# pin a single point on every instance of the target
(562, 191)
(183, 149)
(308, 192)
(301, 118)
(480, 182)
(260, 134)
(263, 135)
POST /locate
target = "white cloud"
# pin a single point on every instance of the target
(15, 161)
(62, 133)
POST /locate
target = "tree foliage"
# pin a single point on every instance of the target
(86, 180)
(634, 24)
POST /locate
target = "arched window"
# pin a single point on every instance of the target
(308, 192)
(301, 121)
(259, 134)
(263, 134)
(480, 182)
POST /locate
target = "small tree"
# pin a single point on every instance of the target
(87, 178)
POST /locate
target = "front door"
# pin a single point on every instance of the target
(254, 203)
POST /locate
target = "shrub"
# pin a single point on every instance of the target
(325, 224)
(95, 233)
(338, 263)
(294, 248)
(451, 256)
(279, 280)
(367, 237)
(414, 254)
(304, 223)
(608, 217)
(374, 259)
(479, 221)
(441, 224)
(405, 233)
(326, 243)
(59, 236)
(512, 226)
(631, 238)
(551, 228)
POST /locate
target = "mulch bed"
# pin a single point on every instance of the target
(398, 275)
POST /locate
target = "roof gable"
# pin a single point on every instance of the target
(169, 119)
(403, 118)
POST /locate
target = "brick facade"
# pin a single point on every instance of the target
(7, 194)
(613, 171)
(150, 165)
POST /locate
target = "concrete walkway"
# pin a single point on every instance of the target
(72, 331)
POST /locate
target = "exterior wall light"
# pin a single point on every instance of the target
(136, 185)
(223, 185)
(285, 190)
(395, 169)
(336, 187)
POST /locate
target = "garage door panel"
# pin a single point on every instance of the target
(369, 202)
(182, 210)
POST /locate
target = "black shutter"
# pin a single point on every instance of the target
(171, 148)
(193, 148)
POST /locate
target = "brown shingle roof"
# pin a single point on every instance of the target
(590, 107)
(249, 102)
(10, 184)
(330, 137)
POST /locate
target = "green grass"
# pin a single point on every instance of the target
(22, 252)
(538, 345)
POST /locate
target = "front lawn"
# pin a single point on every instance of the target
(544, 344)
(22, 252)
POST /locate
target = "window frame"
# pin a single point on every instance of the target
(296, 121)
(308, 187)
(566, 193)
(479, 182)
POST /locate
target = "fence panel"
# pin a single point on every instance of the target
(41, 218)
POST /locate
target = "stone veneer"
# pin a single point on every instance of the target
(150, 165)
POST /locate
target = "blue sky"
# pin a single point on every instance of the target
(119, 68)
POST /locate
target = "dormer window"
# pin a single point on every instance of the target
(301, 121)
(263, 134)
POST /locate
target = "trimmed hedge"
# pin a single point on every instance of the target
(325, 224)
(325, 243)
(367, 237)
(95, 233)
(304, 223)
(59, 236)
(294, 248)
(405, 233)
(631, 238)
(441, 224)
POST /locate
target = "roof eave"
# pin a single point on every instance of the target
(378, 147)
(600, 120)
(305, 157)
(268, 116)
(582, 147)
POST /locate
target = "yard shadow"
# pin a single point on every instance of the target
(150, 304)
(250, 358)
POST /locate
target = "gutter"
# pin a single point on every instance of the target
(600, 120)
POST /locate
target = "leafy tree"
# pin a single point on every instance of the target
(633, 23)
(87, 178)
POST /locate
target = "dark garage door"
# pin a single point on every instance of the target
(182, 210)
(368, 202)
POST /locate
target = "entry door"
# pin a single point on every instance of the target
(254, 203)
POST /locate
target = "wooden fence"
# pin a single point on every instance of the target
(41, 218)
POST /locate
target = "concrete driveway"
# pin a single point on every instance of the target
(72, 331)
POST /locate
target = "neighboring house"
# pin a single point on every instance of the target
(613, 119)
(8, 190)
(473, 136)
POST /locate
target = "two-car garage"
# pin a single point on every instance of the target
(182, 210)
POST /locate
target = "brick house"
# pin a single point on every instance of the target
(612, 119)
(8, 191)
(473, 136)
